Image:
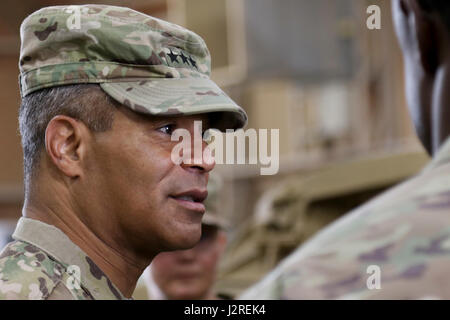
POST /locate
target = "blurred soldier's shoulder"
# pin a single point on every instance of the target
(28, 273)
(401, 237)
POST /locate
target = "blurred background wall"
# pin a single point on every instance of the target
(309, 68)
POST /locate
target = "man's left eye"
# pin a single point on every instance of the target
(167, 129)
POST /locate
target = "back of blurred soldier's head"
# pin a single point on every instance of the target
(190, 274)
(423, 29)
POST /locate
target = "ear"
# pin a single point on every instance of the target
(424, 26)
(64, 144)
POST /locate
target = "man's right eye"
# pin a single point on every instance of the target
(167, 129)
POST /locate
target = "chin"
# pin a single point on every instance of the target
(188, 242)
(186, 238)
(183, 295)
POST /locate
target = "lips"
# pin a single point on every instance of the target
(186, 276)
(191, 199)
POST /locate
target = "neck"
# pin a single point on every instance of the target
(122, 268)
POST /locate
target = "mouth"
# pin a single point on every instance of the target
(192, 199)
(186, 276)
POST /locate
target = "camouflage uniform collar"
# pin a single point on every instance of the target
(441, 157)
(53, 241)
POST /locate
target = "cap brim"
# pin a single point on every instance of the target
(179, 96)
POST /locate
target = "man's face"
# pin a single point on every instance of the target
(146, 201)
(189, 274)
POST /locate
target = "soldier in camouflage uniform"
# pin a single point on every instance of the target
(102, 90)
(397, 246)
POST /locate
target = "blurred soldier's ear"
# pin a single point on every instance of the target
(420, 33)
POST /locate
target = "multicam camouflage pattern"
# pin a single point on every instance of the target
(42, 263)
(149, 65)
(405, 232)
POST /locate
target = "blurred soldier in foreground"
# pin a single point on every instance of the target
(398, 245)
(190, 274)
(103, 88)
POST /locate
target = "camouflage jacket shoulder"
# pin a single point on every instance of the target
(28, 273)
(43, 263)
(397, 246)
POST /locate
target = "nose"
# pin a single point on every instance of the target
(201, 157)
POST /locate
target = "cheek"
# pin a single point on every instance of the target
(142, 170)
(209, 259)
(151, 160)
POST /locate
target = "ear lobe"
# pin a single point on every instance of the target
(62, 143)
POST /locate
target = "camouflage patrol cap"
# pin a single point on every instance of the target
(213, 215)
(147, 64)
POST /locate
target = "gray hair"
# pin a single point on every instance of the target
(84, 102)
